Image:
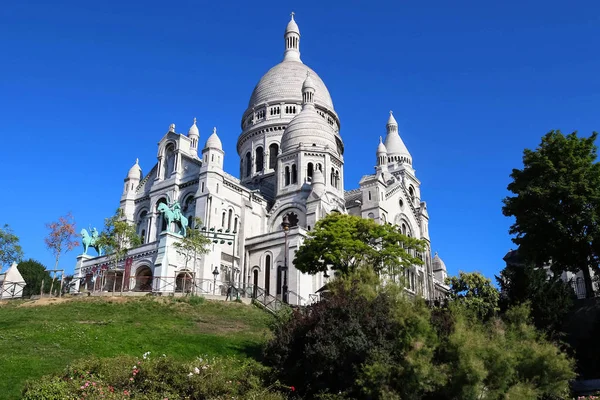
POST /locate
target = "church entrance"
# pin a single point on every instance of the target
(143, 280)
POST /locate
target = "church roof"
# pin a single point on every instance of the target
(135, 172)
(438, 264)
(284, 82)
(292, 26)
(194, 129)
(213, 141)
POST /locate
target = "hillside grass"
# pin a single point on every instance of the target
(41, 338)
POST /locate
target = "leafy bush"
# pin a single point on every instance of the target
(158, 378)
(366, 344)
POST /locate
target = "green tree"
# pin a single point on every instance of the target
(10, 249)
(549, 297)
(475, 292)
(34, 273)
(194, 244)
(61, 238)
(557, 205)
(347, 242)
(117, 238)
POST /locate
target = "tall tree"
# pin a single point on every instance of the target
(549, 298)
(193, 244)
(117, 238)
(10, 249)
(34, 273)
(62, 237)
(475, 292)
(557, 205)
(347, 242)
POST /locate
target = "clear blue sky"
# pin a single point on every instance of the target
(86, 87)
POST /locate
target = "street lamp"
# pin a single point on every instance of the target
(215, 273)
(285, 224)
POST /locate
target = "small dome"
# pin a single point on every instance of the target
(381, 148)
(194, 130)
(213, 141)
(310, 129)
(292, 26)
(392, 120)
(438, 264)
(135, 172)
(317, 177)
(308, 82)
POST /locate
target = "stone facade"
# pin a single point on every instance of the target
(291, 163)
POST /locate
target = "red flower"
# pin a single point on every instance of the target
(293, 389)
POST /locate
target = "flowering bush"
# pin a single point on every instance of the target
(158, 378)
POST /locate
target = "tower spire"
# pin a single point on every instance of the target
(292, 41)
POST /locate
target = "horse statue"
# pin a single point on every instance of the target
(174, 215)
(90, 241)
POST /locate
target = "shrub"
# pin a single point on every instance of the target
(158, 378)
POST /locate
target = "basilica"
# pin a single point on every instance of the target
(291, 174)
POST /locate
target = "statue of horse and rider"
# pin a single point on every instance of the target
(173, 214)
(90, 241)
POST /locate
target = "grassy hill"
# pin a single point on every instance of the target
(41, 337)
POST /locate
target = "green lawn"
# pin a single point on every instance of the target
(37, 340)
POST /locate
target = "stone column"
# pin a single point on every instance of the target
(78, 273)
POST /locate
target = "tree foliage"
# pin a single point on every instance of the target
(33, 273)
(62, 236)
(549, 297)
(557, 204)
(10, 249)
(475, 292)
(347, 242)
(365, 344)
(194, 244)
(118, 237)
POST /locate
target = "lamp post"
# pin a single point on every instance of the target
(285, 224)
(215, 273)
(218, 236)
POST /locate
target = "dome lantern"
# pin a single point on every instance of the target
(396, 149)
(292, 41)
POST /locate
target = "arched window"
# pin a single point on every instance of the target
(279, 279)
(319, 167)
(411, 191)
(332, 177)
(273, 152)
(230, 216)
(287, 176)
(235, 224)
(162, 221)
(371, 215)
(309, 170)
(294, 174)
(337, 179)
(369, 195)
(267, 273)
(143, 236)
(248, 164)
(223, 220)
(259, 159)
(403, 229)
(169, 160)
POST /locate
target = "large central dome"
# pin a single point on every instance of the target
(284, 82)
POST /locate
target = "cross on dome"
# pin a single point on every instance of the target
(292, 14)
(214, 130)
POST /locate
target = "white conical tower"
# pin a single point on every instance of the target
(213, 154)
(194, 135)
(396, 149)
(292, 41)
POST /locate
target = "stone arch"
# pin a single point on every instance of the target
(184, 281)
(143, 279)
(169, 159)
(273, 153)
(161, 221)
(259, 159)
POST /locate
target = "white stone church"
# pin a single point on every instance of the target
(291, 164)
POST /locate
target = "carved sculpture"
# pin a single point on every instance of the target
(173, 214)
(88, 241)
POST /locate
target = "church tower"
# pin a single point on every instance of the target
(309, 144)
(128, 197)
